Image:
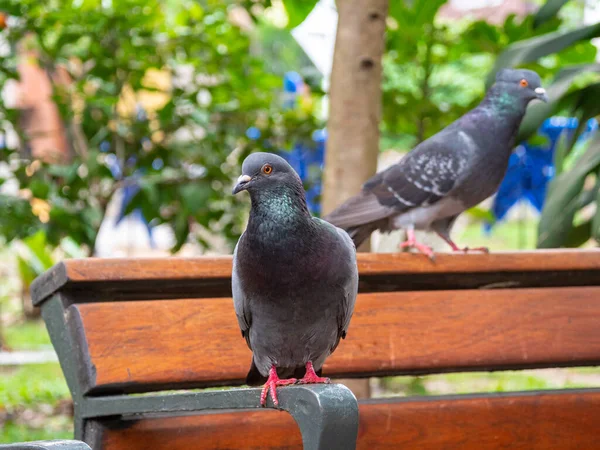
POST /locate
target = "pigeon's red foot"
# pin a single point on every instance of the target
(311, 377)
(271, 385)
(456, 248)
(412, 243)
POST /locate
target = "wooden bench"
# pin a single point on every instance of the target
(47, 445)
(123, 326)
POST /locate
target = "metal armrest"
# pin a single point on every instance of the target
(47, 445)
(326, 414)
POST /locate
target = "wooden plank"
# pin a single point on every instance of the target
(210, 276)
(551, 420)
(136, 346)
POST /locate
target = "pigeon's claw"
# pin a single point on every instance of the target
(271, 385)
(311, 377)
(411, 242)
(476, 249)
(456, 248)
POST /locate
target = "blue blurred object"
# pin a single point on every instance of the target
(130, 189)
(132, 186)
(253, 133)
(531, 167)
(292, 82)
(308, 161)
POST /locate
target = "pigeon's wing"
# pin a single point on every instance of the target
(360, 209)
(421, 178)
(348, 280)
(426, 175)
(240, 302)
(350, 286)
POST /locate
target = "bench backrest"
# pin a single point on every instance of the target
(161, 324)
(146, 325)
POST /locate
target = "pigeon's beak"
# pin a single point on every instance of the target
(541, 94)
(242, 184)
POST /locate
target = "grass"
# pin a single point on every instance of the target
(31, 385)
(34, 404)
(27, 335)
(505, 235)
(58, 427)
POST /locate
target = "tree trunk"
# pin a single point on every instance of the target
(355, 111)
(355, 100)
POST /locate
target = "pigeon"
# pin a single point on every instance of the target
(294, 279)
(448, 173)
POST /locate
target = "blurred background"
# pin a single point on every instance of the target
(124, 122)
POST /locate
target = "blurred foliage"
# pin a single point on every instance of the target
(45, 385)
(434, 70)
(569, 56)
(33, 257)
(26, 335)
(161, 94)
(210, 82)
(34, 404)
(281, 53)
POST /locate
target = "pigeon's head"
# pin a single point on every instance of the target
(261, 171)
(522, 83)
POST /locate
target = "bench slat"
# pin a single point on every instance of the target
(137, 346)
(551, 420)
(210, 276)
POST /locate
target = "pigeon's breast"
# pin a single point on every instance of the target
(290, 266)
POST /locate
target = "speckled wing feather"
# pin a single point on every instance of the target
(425, 175)
(421, 178)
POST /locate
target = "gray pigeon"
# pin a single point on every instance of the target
(448, 173)
(294, 279)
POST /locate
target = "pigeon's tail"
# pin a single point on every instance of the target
(360, 216)
(361, 233)
(255, 378)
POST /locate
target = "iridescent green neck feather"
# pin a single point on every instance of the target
(283, 204)
(503, 102)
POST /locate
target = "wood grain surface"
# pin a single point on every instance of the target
(550, 420)
(116, 279)
(136, 346)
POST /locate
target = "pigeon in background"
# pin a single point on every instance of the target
(448, 173)
(294, 279)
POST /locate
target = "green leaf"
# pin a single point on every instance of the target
(37, 245)
(33, 257)
(426, 10)
(532, 49)
(579, 235)
(548, 11)
(585, 106)
(195, 197)
(39, 188)
(481, 214)
(560, 153)
(27, 272)
(595, 228)
(297, 10)
(181, 228)
(565, 198)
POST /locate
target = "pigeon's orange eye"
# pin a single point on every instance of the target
(523, 83)
(267, 169)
